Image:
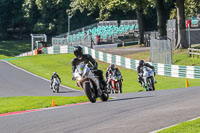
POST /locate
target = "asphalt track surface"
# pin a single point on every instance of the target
(16, 82)
(140, 112)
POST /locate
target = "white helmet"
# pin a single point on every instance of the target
(54, 73)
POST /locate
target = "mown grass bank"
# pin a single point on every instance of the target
(45, 65)
(180, 57)
(12, 104)
(9, 49)
(185, 127)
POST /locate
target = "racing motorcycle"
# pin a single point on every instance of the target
(56, 85)
(115, 84)
(148, 78)
(89, 82)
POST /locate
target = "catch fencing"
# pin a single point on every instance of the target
(161, 51)
(177, 71)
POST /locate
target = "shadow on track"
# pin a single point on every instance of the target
(131, 98)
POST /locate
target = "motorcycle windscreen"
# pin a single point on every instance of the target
(80, 68)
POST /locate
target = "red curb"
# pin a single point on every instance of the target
(19, 112)
(34, 110)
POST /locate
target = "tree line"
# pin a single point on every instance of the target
(19, 18)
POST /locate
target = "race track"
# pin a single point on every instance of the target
(140, 112)
(16, 82)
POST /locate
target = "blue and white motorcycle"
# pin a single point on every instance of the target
(148, 78)
(56, 85)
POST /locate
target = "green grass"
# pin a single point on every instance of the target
(13, 48)
(185, 127)
(11, 104)
(45, 65)
(180, 57)
(139, 56)
(4, 57)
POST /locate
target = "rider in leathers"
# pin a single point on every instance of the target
(140, 70)
(86, 59)
(111, 70)
(55, 75)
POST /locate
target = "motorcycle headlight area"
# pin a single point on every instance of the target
(79, 78)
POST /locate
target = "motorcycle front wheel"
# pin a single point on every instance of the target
(152, 84)
(119, 87)
(57, 88)
(88, 91)
(54, 89)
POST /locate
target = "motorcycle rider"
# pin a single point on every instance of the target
(86, 59)
(111, 70)
(55, 75)
(140, 71)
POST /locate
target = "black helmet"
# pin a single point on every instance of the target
(112, 66)
(78, 51)
(141, 63)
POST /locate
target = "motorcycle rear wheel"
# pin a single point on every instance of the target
(104, 97)
(88, 91)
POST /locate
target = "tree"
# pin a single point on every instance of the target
(191, 8)
(184, 8)
(181, 40)
(162, 9)
(105, 7)
(53, 17)
(4, 15)
(11, 18)
(161, 15)
(31, 13)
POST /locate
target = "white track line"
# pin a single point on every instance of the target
(174, 125)
(37, 75)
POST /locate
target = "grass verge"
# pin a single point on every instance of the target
(12, 104)
(180, 57)
(185, 127)
(45, 65)
(13, 48)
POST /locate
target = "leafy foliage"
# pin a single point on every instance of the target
(192, 7)
(51, 16)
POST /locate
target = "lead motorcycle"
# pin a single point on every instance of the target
(89, 82)
(148, 78)
(115, 84)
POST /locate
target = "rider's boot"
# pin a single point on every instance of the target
(141, 83)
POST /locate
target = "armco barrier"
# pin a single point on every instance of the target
(177, 71)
